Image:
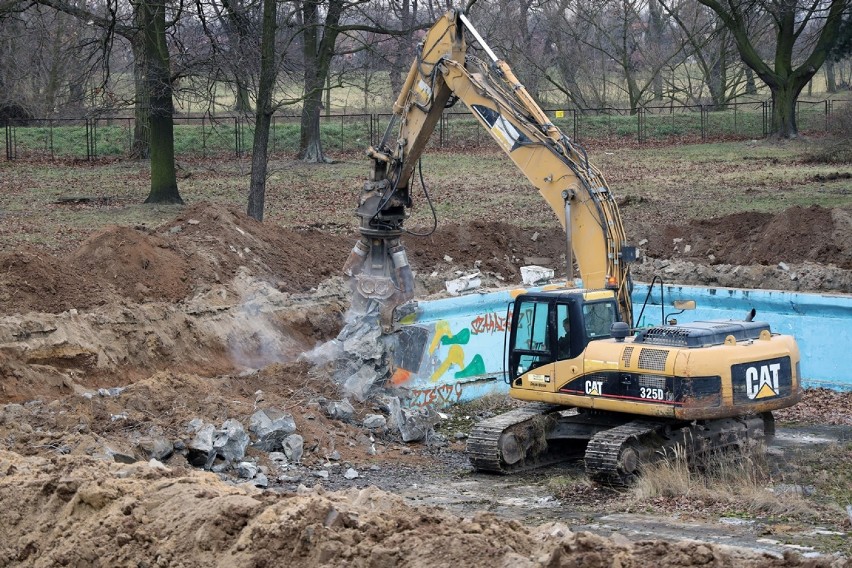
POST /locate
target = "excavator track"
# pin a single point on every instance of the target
(512, 442)
(613, 455)
(616, 456)
(616, 449)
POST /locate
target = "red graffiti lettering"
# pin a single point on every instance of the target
(440, 396)
(489, 323)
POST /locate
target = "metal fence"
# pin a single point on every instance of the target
(90, 138)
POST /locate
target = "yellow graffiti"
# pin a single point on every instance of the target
(442, 329)
(455, 356)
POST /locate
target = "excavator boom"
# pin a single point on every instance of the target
(443, 72)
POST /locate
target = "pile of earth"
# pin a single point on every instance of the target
(76, 511)
(800, 248)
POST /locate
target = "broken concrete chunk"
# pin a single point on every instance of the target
(120, 457)
(463, 284)
(342, 410)
(260, 480)
(351, 474)
(533, 274)
(203, 440)
(246, 470)
(271, 426)
(335, 456)
(279, 458)
(157, 448)
(322, 474)
(358, 385)
(375, 422)
(783, 266)
(294, 447)
(414, 424)
(362, 340)
(114, 391)
(231, 441)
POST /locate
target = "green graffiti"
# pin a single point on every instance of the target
(476, 367)
(461, 338)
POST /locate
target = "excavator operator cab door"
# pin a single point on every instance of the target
(529, 339)
(548, 329)
(544, 330)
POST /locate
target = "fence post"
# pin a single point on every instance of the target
(51, 140)
(237, 136)
(735, 118)
(574, 115)
(825, 102)
(93, 147)
(8, 138)
(88, 139)
(703, 123)
(640, 114)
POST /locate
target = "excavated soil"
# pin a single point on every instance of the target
(139, 331)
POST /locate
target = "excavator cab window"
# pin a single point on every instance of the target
(598, 318)
(530, 347)
(564, 348)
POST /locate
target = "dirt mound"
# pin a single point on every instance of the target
(495, 247)
(208, 245)
(34, 280)
(77, 511)
(218, 241)
(798, 234)
(139, 266)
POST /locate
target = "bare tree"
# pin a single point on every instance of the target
(617, 32)
(322, 23)
(263, 114)
(795, 60)
(711, 49)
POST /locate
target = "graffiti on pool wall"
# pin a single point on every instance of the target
(455, 355)
(489, 323)
(447, 350)
(441, 395)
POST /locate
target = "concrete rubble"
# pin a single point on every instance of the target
(271, 426)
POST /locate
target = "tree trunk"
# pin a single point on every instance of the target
(784, 110)
(317, 54)
(310, 142)
(163, 178)
(242, 102)
(751, 85)
(141, 148)
(263, 116)
(830, 81)
(657, 29)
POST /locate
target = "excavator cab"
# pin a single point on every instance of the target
(556, 326)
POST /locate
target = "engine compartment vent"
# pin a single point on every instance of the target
(653, 359)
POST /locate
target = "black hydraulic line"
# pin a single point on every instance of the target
(428, 200)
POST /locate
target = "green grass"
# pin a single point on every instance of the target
(676, 183)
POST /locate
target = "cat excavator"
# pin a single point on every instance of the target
(596, 386)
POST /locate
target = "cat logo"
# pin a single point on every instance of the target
(594, 388)
(762, 381)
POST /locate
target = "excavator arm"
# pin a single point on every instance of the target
(443, 72)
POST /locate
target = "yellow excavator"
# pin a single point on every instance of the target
(598, 388)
